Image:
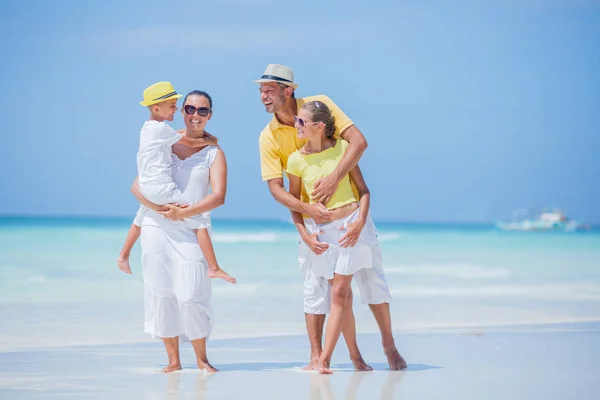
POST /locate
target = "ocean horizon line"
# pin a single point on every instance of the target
(118, 220)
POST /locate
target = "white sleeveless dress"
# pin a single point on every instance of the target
(177, 288)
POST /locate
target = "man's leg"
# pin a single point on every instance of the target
(314, 328)
(381, 312)
(317, 302)
(375, 292)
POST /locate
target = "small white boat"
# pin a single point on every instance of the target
(547, 221)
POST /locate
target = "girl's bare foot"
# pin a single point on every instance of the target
(217, 272)
(171, 367)
(323, 367)
(123, 263)
(204, 364)
(360, 364)
(395, 360)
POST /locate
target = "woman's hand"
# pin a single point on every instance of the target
(175, 212)
(314, 245)
(351, 236)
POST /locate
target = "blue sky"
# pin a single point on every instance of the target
(471, 109)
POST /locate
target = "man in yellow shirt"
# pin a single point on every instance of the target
(278, 141)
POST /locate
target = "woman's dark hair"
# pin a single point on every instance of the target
(319, 112)
(199, 93)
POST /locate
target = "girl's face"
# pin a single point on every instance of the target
(196, 113)
(307, 129)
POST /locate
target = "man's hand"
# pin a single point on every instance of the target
(314, 245)
(318, 212)
(351, 236)
(174, 212)
(324, 189)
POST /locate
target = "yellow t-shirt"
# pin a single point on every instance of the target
(278, 141)
(310, 167)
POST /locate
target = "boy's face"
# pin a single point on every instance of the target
(165, 109)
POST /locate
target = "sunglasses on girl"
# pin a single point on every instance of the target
(202, 111)
(301, 123)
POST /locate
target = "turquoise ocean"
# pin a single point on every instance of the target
(59, 283)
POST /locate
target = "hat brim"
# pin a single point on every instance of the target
(147, 103)
(290, 84)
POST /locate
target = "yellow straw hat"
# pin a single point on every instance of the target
(158, 92)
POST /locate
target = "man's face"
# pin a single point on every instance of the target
(166, 109)
(272, 96)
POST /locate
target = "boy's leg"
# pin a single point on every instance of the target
(214, 271)
(132, 236)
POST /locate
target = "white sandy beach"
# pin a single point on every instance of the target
(558, 363)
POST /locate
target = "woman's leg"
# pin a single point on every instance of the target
(201, 358)
(172, 348)
(340, 289)
(162, 315)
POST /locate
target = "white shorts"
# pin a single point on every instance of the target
(176, 286)
(363, 260)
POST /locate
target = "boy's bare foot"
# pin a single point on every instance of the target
(123, 263)
(217, 272)
(323, 367)
(360, 364)
(204, 364)
(395, 360)
(171, 368)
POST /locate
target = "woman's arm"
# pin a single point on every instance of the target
(311, 240)
(352, 234)
(135, 189)
(218, 184)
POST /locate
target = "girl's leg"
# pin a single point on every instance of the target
(199, 346)
(132, 236)
(349, 333)
(340, 289)
(172, 347)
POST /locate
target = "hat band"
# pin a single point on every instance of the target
(165, 96)
(275, 78)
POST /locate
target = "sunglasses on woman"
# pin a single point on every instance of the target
(301, 123)
(202, 111)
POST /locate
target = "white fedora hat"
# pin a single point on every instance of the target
(278, 73)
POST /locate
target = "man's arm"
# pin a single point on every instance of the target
(357, 144)
(294, 204)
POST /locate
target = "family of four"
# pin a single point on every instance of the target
(182, 176)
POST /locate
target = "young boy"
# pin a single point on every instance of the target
(154, 173)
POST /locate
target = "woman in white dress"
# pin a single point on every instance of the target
(176, 283)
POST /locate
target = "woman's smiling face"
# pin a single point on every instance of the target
(193, 109)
